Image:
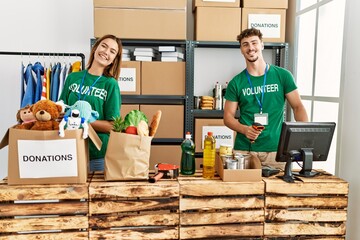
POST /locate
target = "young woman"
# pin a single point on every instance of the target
(98, 85)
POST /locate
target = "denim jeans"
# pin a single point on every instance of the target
(97, 164)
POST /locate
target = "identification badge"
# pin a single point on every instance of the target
(261, 118)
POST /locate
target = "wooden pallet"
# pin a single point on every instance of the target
(57, 211)
(133, 209)
(314, 208)
(214, 209)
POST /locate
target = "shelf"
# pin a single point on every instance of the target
(167, 141)
(153, 99)
(210, 113)
(210, 44)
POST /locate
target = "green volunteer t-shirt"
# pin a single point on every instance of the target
(279, 82)
(103, 96)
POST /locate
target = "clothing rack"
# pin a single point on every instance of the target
(45, 54)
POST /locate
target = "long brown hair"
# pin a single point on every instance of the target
(113, 70)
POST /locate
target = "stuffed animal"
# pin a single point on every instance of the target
(46, 112)
(78, 115)
(25, 118)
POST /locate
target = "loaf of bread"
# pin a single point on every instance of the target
(155, 123)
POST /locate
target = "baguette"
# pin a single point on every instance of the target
(155, 123)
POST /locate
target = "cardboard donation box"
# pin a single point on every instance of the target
(221, 133)
(216, 3)
(217, 23)
(252, 174)
(141, 19)
(271, 22)
(42, 157)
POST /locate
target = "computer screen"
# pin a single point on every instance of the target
(304, 142)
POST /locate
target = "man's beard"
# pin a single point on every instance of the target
(254, 59)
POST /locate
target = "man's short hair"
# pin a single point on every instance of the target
(249, 33)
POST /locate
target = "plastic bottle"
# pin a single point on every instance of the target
(188, 156)
(223, 95)
(218, 96)
(209, 156)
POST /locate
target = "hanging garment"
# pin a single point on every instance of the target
(22, 88)
(44, 87)
(55, 83)
(76, 66)
(48, 82)
(62, 79)
(39, 71)
(53, 68)
(29, 95)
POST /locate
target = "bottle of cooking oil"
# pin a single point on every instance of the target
(209, 156)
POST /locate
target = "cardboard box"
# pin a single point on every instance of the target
(126, 108)
(238, 175)
(217, 23)
(171, 122)
(163, 78)
(42, 157)
(264, 4)
(216, 3)
(271, 22)
(130, 78)
(141, 19)
(222, 134)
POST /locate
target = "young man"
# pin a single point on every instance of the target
(260, 92)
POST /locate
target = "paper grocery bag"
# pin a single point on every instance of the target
(127, 157)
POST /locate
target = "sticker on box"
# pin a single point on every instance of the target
(46, 159)
(268, 24)
(127, 80)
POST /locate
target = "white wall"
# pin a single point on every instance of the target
(37, 26)
(349, 166)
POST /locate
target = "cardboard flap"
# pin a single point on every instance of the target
(94, 138)
(5, 140)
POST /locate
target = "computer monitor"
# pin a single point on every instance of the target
(304, 142)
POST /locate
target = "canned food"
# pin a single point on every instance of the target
(225, 149)
(231, 164)
(224, 158)
(241, 161)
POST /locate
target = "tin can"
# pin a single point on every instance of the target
(241, 160)
(231, 164)
(225, 149)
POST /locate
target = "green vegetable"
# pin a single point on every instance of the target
(133, 118)
(118, 125)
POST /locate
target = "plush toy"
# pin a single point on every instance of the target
(78, 115)
(46, 112)
(25, 118)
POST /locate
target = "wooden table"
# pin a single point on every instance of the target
(313, 208)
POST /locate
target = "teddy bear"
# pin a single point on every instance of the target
(78, 115)
(46, 112)
(25, 118)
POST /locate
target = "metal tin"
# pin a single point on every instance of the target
(225, 149)
(231, 164)
(241, 160)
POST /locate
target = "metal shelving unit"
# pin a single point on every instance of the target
(279, 50)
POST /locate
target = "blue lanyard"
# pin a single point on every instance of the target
(262, 88)
(82, 83)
